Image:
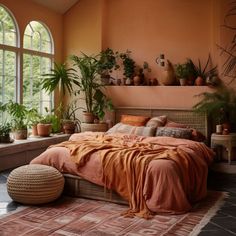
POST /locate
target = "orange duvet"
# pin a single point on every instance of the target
(155, 174)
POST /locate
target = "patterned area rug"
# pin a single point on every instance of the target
(77, 216)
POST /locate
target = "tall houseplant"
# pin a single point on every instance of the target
(91, 86)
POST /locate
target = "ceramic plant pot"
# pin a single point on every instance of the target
(44, 130)
(88, 117)
(20, 134)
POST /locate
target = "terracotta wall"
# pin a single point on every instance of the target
(82, 28)
(179, 29)
(25, 11)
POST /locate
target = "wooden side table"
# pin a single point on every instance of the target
(100, 127)
(228, 141)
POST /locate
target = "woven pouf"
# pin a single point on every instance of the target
(35, 184)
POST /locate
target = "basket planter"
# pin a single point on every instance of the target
(20, 134)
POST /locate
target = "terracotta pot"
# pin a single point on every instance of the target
(69, 127)
(137, 80)
(183, 81)
(20, 134)
(199, 81)
(44, 130)
(88, 117)
(34, 130)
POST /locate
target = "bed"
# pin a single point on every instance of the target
(167, 185)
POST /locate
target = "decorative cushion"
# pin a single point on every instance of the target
(129, 129)
(198, 136)
(157, 121)
(174, 132)
(35, 184)
(170, 123)
(134, 120)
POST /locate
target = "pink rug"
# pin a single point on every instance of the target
(77, 216)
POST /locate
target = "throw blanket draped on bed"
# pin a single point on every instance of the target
(125, 162)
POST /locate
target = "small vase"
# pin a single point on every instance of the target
(137, 80)
(199, 81)
(168, 75)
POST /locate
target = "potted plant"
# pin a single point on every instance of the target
(5, 130)
(68, 118)
(129, 67)
(19, 119)
(202, 72)
(107, 61)
(220, 106)
(139, 77)
(89, 82)
(33, 119)
(182, 72)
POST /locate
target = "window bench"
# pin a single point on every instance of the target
(21, 152)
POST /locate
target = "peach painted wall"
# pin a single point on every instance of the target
(25, 11)
(179, 29)
(82, 28)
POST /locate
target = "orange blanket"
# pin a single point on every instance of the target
(125, 162)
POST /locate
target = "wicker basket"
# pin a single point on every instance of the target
(35, 184)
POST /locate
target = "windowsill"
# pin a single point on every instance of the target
(21, 152)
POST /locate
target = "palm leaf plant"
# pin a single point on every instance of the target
(220, 105)
(61, 77)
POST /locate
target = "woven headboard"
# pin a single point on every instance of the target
(185, 116)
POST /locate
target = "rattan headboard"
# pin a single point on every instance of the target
(185, 116)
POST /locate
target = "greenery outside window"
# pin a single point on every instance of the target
(37, 60)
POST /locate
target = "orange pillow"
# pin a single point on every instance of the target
(134, 120)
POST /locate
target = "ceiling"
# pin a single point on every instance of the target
(60, 6)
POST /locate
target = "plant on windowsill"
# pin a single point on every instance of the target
(182, 72)
(19, 118)
(33, 119)
(5, 130)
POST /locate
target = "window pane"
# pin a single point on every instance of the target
(7, 28)
(8, 75)
(41, 40)
(10, 66)
(34, 67)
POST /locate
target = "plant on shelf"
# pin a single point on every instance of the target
(220, 106)
(107, 61)
(203, 73)
(182, 73)
(129, 67)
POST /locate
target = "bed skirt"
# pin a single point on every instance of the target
(77, 186)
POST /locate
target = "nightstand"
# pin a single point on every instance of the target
(228, 141)
(100, 127)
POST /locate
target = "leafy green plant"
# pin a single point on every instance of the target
(107, 61)
(61, 77)
(101, 104)
(33, 117)
(5, 129)
(219, 105)
(204, 71)
(89, 82)
(128, 64)
(18, 114)
(182, 71)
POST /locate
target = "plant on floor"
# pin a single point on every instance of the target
(90, 85)
(60, 77)
(220, 105)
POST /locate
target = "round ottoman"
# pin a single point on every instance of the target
(35, 184)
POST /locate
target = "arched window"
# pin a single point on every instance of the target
(37, 60)
(8, 56)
